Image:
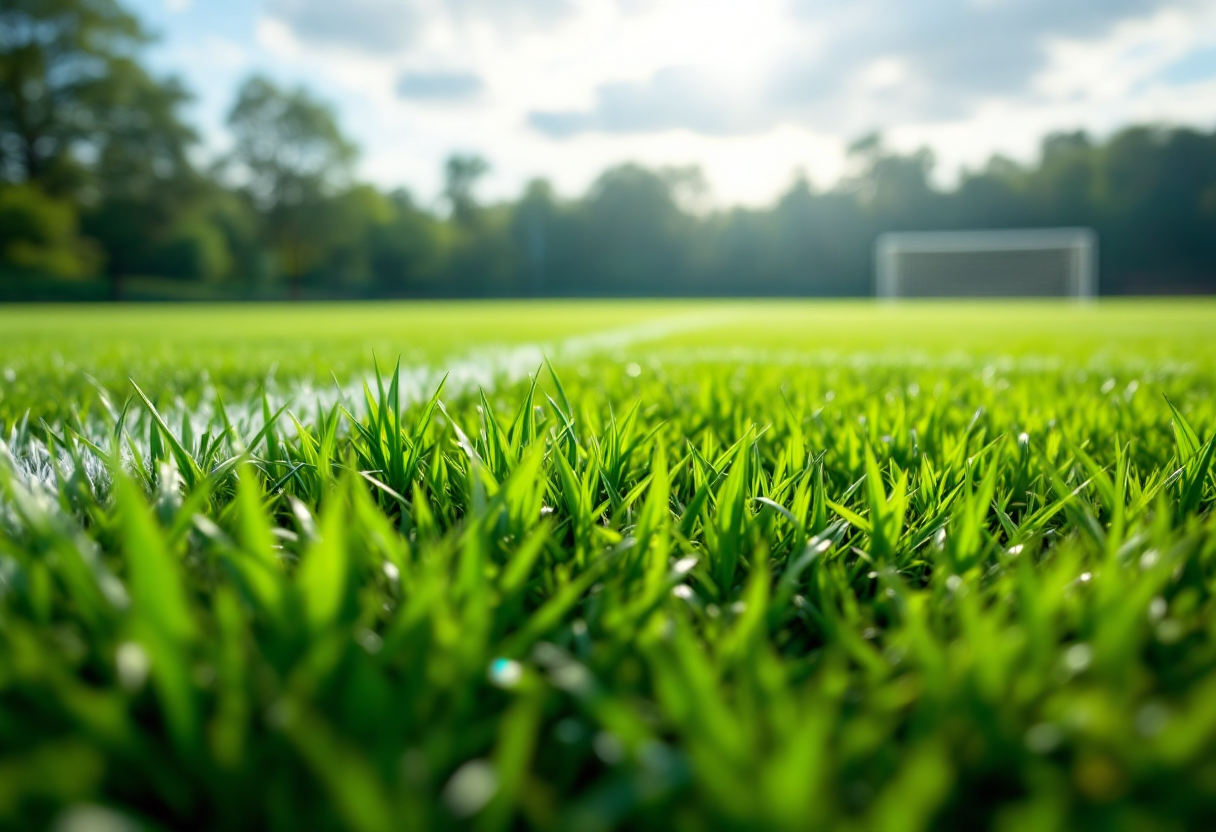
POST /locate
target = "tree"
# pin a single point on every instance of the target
(151, 213)
(1150, 189)
(461, 175)
(484, 258)
(892, 188)
(532, 228)
(62, 64)
(409, 253)
(1063, 185)
(290, 158)
(355, 216)
(72, 89)
(820, 242)
(38, 234)
(634, 237)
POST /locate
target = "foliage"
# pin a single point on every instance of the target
(410, 250)
(287, 145)
(38, 234)
(82, 121)
(61, 66)
(155, 211)
(461, 174)
(290, 158)
(82, 118)
(705, 583)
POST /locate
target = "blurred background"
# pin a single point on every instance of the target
(227, 149)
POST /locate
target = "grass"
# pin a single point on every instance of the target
(753, 566)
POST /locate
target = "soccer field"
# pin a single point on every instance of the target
(611, 565)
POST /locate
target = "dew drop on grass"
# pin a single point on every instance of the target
(633, 370)
(87, 817)
(685, 565)
(132, 664)
(1078, 658)
(1157, 608)
(1169, 631)
(114, 590)
(573, 678)
(369, 641)
(505, 673)
(1043, 738)
(470, 788)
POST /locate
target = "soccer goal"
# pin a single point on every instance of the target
(1032, 262)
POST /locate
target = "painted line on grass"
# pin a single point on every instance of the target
(485, 367)
(490, 366)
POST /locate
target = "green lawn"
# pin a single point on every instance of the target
(720, 565)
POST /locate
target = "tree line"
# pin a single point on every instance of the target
(99, 178)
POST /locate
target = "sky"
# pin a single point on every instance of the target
(755, 92)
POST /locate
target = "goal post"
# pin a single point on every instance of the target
(1024, 262)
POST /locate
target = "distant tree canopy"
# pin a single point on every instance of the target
(64, 66)
(97, 178)
(85, 128)
(461, 174)
(291, 163)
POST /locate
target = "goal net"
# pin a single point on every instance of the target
(1037, 262)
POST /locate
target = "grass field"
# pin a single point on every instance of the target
(579, 566)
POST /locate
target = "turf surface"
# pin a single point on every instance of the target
(754, 566)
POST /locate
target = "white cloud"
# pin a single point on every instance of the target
(750, 91)
(883, 74)
(390, 26)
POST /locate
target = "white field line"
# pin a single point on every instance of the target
(488, 367)
(485, 367)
